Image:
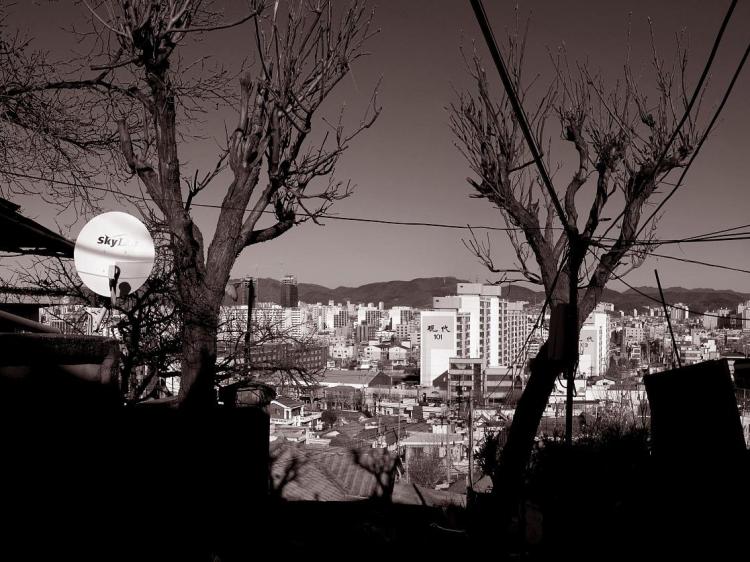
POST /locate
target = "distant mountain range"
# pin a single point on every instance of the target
(419, 292)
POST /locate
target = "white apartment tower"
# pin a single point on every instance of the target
(438, 343)
(594, 344)
(488, 326)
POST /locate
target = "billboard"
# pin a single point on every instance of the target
(439, 331)
(588, 350)
(438, 335)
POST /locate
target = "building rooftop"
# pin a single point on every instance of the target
(288, 402)
(311, 472)
(343, 377)
(418, 438)
(23, 235)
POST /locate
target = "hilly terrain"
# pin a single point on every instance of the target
(419, 292)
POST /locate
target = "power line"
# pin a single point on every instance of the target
(723, 235)
(323, 216)
(698, 262)
(703, 137)
(702, 140)
(722, 231)
(739, 237)
(515, 103)
(656, 300)
(689, 107)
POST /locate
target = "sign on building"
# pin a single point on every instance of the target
(438, 329)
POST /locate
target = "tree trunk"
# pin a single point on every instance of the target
(198, 364)
(508, 478)
(509, 475)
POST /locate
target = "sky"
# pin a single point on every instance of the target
(407, 168)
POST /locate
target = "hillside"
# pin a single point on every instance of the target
(419, 292)
(698, 300)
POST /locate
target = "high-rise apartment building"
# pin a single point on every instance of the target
(289, 292)
(679, 312)
(487, 325)
(341, 319)
(632, 334)
(438, 343)
(372, 318)
(593, 344)
(399, 315)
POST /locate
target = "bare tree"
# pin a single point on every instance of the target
(52, 144)
(275, 168)
(427, 470)
(626, 143)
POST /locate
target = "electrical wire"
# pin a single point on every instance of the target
(698, 262)
(323, 216)
(688, 109)
(738, 237)
(722, 231)
(702, 140)
(656, 300)
(723, 235)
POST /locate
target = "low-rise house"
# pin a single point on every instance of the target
(370, 353)
(288, 433)
(344, 377)
(398, 354)
(285, 411)
(429, 412)
(452, 445)
(381, 438)
(393, 408)
(341, 351)
(342, 397)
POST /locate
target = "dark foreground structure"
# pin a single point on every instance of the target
(84, 478)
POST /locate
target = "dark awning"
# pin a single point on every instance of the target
(25, 236)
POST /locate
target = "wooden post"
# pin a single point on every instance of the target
(250, 286)
(470, 479)
(669, 321)
(571, 353)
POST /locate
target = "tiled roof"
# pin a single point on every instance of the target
(342, 440)
(432, 439)
(294, 478)
(288, 402)
(327, 473)
(335, 376)
(419, 427)
(341, 466)
(412, 494)
(370, 435)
